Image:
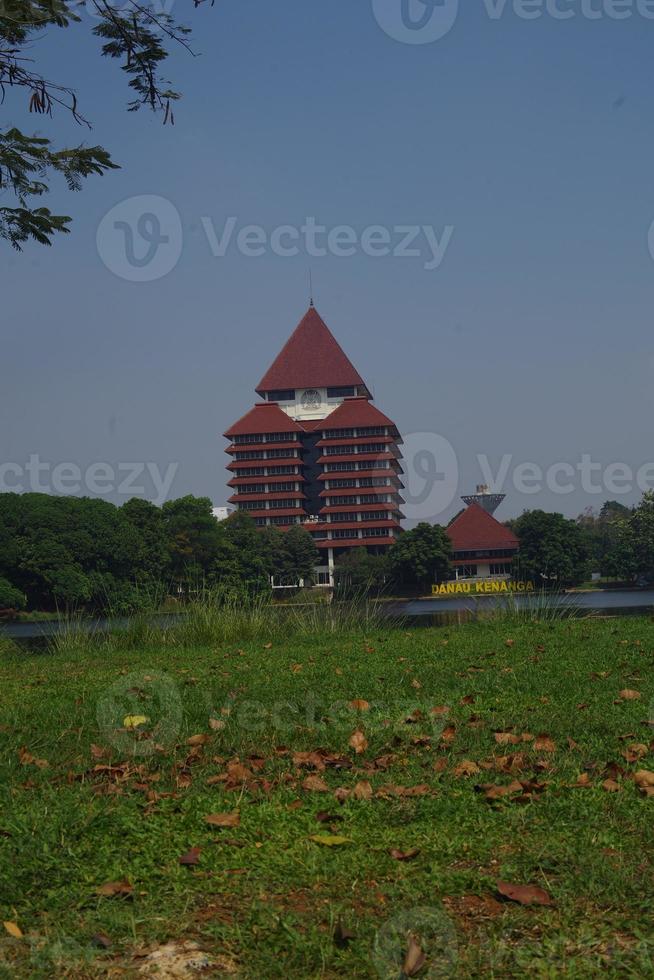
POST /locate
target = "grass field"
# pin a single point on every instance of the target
(366, 795)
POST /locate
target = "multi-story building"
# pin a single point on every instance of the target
(316, 452)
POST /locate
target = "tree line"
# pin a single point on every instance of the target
(63, 553)
(82, 553)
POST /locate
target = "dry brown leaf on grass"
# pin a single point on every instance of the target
(635, 751)
(644, 780)
(191, 857)
(544, 744)
(399, 855)
(628, 695)
(611, 786)
(583, 781)
(110, 889)
(315, 784)
(27, 759)
(196, 740)
(467, 768)
(492, 792)
(439, 710)
(414, 958)
(507, 763)
(358, 741)
(324, 816)
(448, 734)
(440, 765)
(342, 935)
(309, 760)
(216, 724)
(13, 929)
(98, 752)
(224, 819)
(359, 705)
(362, 790)
(390, 791)
(507, 738)
(524, 894)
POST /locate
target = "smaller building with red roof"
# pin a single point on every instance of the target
(481, 546)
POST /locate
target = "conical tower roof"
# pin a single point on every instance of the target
(310, 358)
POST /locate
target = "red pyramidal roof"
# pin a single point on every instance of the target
(264, 417)
(475, 530)
(354, 413)
(310, 358)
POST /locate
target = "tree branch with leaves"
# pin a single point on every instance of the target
(135, 35)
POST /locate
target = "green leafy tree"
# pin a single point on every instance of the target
(294, 556)
(145, 525)
(553, 549)
(193, 537)
(359, 573)
(606, 536)
(132, 34)
(618, 557)
(243, 561)
(421, 557)
(10, 596)
(642, 529)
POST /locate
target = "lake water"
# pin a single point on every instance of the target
(419, 612)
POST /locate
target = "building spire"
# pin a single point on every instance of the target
(310, 288)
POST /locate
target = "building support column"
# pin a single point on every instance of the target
(330, 565)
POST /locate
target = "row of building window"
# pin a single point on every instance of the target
(277, 521)
(266, 437)
(268, 454)
(471, 571)
(369, 532)
(366, 498)
(380, 464)
(366, 481)
(488, 553)
(288, 394)
(366, 515)
(373, 447)
(372, 430)
(267, 504)
(268, 487)
(269, 471)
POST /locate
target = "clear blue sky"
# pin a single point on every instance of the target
(533, 337)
